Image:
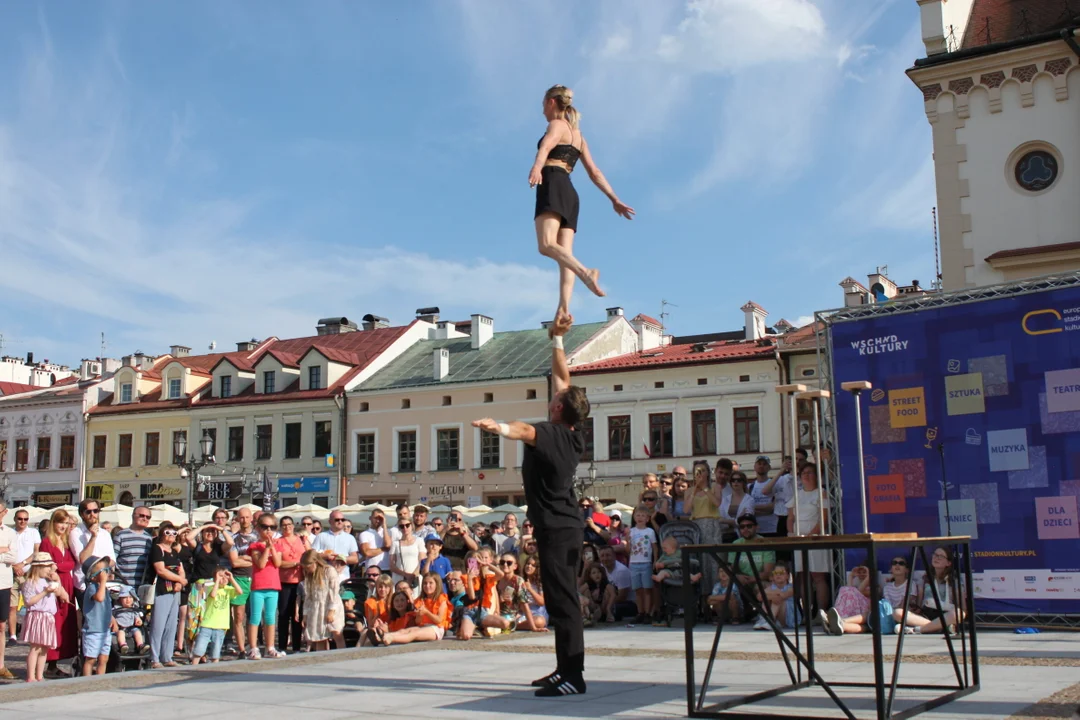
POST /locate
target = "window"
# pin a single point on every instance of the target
(125, 392)
(746, 430)
(617, 388)
(489, 397)
(659, 384)
(67, 452)
(264, 440)
(447, 443)
(322, 438)
(365, 453)
(363, 407)
(1036, 170)
(174, 388)
(99, 451)
(226, 386)
(153, 449)
(3, 455)
(406, 453)
(269, 378)
(123, 457)
(447, 400)
(702, 381)
(293, 434)
(22, 454)
(744, 378)
(618, 428)
(44, 453)
(530, 394)
(587, 431)
(660, 435)
(314, 374)
(489, 449)
(703, 432)
(236, 443)
(406, 404)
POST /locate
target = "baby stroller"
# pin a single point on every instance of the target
(671, 590)
(355, 626)
(133, 660)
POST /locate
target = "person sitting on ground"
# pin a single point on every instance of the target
(465, 604)
(534, 615)
(127, 623)
(851, 607)
(97, 615)
(598, 595)
(719, 596)
(781, 598)
(402, 615)
(377, 606)
(493, 618)
(215, 616)
(528, 549)
(934, 616)
(431, 615)
(897, 588)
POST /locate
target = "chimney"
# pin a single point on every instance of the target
(933, 26)
(755, 320)
(29, 358)
(247, 345)
(648, 333)
(179, 351)
(428, 314)
(442, 363)
(334, 326)
(89, 369)
(482, 328)
(614, 312)
(374, 322)
(444, 329)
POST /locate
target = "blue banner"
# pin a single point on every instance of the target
(994, 386)
(304, 485)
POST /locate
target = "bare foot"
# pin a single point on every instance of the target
(592, 281)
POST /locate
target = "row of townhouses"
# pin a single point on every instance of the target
(374, 412)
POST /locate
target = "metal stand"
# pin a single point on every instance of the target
(965, 667)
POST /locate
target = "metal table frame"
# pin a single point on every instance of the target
(727, 556)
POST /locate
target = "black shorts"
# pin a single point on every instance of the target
(932, 613)
(556, 194)
(5, 606)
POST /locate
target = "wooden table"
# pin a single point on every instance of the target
(965, 664)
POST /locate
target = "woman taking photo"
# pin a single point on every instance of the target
(556, 213)
(169, 571)
(704, 508)
(734, 505)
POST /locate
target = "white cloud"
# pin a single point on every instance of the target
(191, 271)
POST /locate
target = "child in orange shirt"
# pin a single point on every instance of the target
(377, 610)
(431, 617)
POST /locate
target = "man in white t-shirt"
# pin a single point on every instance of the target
(89, 540)
(27, 542)
(336, 541)
(375, 541)
(619, 576)
(421, 529)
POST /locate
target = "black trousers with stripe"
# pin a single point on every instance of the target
(560, 555)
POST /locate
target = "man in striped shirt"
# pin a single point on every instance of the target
(133, 548)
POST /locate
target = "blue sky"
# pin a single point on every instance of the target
(208, 171)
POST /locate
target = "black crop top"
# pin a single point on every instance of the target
(564, 153)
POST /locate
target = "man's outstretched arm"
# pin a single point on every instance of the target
(560, 371)
(516, 430)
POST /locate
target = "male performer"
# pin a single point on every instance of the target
(552, 453)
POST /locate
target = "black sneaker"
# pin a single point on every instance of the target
(546, 680)
(562, 688)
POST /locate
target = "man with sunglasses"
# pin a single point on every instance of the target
(375, 541)
(133, 548)
(552, 454)
(336, 541)
(88, 540)
(27, 542)
(764, 560)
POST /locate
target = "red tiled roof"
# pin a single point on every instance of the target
(13, 388)
(287, 359)
(852, 281)
(645, 318)
(1037, 250)
(1015, 19)
(680, 355)
(361, 348)
(802, 339)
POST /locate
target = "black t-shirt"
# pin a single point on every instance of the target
(548, 471)
(204, 564)
(171, 559)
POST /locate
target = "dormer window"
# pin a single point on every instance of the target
(226, 386)
(268, 381)
(174, 388)
(125, 392)
(315, 378)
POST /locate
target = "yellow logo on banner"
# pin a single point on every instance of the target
(1046, 331)
(964, 394)
(907, 408)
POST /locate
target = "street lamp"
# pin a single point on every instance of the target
(583, 485)
(191, 466)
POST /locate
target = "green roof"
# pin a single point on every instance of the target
(506, 356)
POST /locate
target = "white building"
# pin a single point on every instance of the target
(27, 372)
(1001, 90)
(41, 439)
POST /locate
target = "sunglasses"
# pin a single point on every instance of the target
(91, 511)
(402, 526)
(506, 563)
(337, 519)
(170, 532)
(143, 517)
(648, 499)
(268, 527)
(665, 482)
(901, 563)
(21, 519)
(373, 576)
